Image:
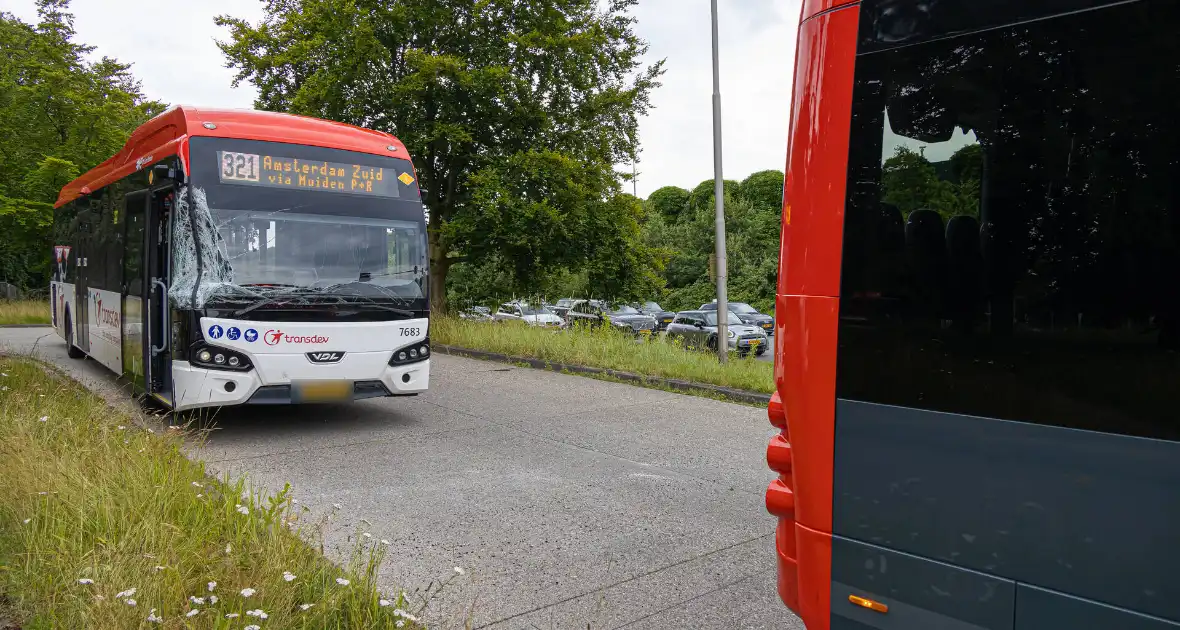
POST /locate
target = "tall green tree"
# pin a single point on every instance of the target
(60, 115)
(485, 94)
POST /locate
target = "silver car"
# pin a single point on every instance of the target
(531, 315)
(698, 329)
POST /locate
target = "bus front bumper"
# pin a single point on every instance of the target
(196, 387)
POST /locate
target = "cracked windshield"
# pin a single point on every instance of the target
(310, 221)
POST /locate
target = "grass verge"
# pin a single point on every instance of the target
(604, 348)
(104, 525)
(24, 312)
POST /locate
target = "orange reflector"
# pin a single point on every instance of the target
(868, 603)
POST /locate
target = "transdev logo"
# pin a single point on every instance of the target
(273, 337)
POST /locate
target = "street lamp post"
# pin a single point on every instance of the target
(719, 194)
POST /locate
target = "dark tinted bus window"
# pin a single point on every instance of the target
(1012, 230)
(890, 23)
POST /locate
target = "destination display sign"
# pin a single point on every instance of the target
(296, 174)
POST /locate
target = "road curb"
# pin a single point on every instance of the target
(738, 395)
(25, 326)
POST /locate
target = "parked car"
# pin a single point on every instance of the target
(525, 313)
(561, 307)
(748, 314)
(622, 317)
(478, 313)
(698, 329)
(663, 317)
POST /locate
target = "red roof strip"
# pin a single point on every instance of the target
(164, 135)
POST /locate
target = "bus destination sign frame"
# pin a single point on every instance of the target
(252, 169)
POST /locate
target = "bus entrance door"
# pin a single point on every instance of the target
(158, 316)
(136, 290)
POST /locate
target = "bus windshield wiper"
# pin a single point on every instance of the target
(335, 300)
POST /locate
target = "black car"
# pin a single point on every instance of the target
(663, 317)
(748, 314)
(622, 317)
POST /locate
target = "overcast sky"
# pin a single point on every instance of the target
(174, 54)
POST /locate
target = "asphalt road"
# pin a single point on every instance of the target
(569, 502)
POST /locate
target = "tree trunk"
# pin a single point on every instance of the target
(439, 266)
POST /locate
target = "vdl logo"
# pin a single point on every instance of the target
(325, 357)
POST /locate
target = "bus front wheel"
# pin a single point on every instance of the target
(72, 351)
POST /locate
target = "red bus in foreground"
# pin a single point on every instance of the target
(977, 366)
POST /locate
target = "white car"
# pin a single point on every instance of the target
(531, 315)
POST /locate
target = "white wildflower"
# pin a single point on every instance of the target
(295, 501)
(127, 593)
(232, 615)
(120, 427)
(199, 495)
(200, 601)
(228, 549)
(405, 615)
(212, 599)
(288, 576)
(4, 389)
(152, 618)
(399, 623)
(99, 597)
(42, 493)
(253, 626)
(342, 581)
(212, 585)
(85, 581)
(336, 506)
(242, 509)
(367, 535)
(160, 568)
(43, 419)
(193, 613)
(149, 556)
(150, 431)
(459, 570)
(3, 373)
(27, 521)
(247, 592)
(129, 602)
(257, 612)
(305, 606)
(383, 602)
(384, 542)
(197, 484)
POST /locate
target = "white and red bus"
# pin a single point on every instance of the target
(246, 257)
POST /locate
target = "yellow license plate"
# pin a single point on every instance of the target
(667, 321)
(645, 332)
(321, 391)
(766, 325)
(755, 343)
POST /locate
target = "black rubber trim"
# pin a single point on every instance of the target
(738, 395)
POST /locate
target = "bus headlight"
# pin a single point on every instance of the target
(418, 351)
(220, 359)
